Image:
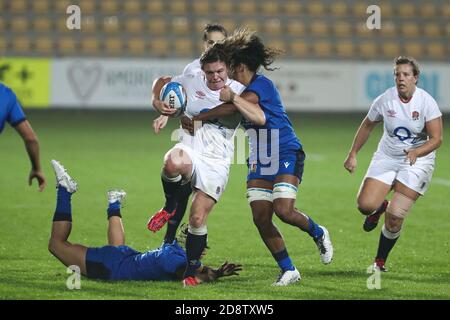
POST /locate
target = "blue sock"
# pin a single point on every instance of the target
(114, 209)
(63, 211)
(283, 260)
(314, 230)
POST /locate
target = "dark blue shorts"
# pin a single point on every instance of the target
(103, 263)
(291, 162)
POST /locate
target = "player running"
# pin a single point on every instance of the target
(276, 156)
(202, 160)
(116, 261)
(212, 33)
(404, 160)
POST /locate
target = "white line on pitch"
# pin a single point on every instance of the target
(442, 181)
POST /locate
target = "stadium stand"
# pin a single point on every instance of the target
(328, 29)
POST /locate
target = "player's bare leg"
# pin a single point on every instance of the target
(197, 235)
(177, 167)
(372, 201)
(396, 212)
(285, 191)
(68, 253)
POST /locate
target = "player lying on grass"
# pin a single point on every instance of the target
(116, 261)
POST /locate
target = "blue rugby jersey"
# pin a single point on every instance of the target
(159, 264)
(10, 109)
(260, 140)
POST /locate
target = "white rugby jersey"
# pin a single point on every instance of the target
(213, 140)
(404, 123)
(193, 67)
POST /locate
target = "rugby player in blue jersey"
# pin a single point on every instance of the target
(116, 261)
(276, 155)
(11, 112)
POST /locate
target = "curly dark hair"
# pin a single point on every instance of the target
(245, 47)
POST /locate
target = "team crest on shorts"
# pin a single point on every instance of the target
(253, 167)
(218, 190)
(415, 115)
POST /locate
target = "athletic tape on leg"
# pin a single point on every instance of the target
(284, 190)
(198, 231)
(259, 194)
(400, 205)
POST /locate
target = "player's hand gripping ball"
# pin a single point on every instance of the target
(174, 95)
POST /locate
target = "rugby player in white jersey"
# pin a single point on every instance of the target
(212, 33)
(203, 159)
(404, 160)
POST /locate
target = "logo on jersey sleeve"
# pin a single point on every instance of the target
(415, 115)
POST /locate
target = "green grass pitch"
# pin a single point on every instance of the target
(118, 149)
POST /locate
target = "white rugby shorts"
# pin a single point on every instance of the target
(386, 169)
(208, 175)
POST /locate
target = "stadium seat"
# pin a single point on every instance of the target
(299, 48)
(429, 10)
(224, 8)
(88, 24)
(251, 24)
(270, 8)
(293, 8)
(183, 47)
(345, 49)
(132, 7)
(436, 50)
(391, 49)
(155, 7)
(87, 7)
(41, 6)
(113, 46)
(90, 45)
(60, 6)
(247, 7)
(109, 7)
(360, 10)
(413, 49)
(42, 24)
(111, 24)
(21, 44)
(447, 30)
(2, 25)
(180, 26)
(322, 48)
(410, 29)
(339, 9)
(319, 28)
(201, 7)
(229, 24)
(178, 7)
(18, 6)
(3, 45)
(19, 24)
(368, 49)
(432, 29)
(67, 45)
(136, 46)
(277, 44)
(159, 47)
(157, 26)
(272, 27)
(363, 31)
(44, 45)
(316, 9)
(296, 28)
(134, 25)
(445, 10)
(387, 10)
(342, 28)
(388, 29)
(406, 10)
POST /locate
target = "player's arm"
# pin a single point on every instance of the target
(32, 146)
(159, 105)
(221, 111)
(246, 103)
(434, 131)
(360, 139)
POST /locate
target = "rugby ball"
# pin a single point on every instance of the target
(174, 95)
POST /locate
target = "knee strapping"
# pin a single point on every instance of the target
(197, 231)
(284, 190)
(399, 205)
(258, 194)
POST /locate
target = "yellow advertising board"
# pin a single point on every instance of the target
(29, 78)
